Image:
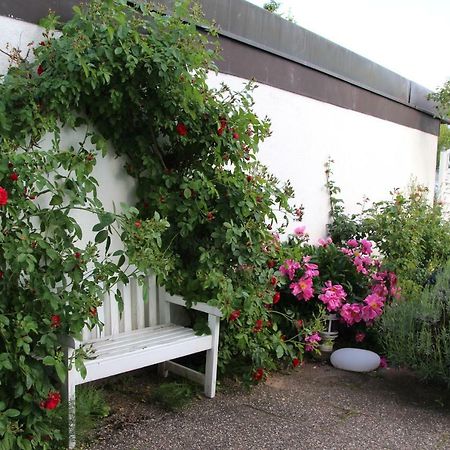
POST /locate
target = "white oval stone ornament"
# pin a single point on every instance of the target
(355, 360)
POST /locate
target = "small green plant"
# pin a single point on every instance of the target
(174, 395)
(91, 408)
(416, 332)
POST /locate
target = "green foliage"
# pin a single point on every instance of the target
(416, 333)
(272, 6)
(91, 407)
(173, 395)
(139, 76)
(444, 139)
(411, 234)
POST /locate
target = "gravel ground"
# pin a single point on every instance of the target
(315, 407)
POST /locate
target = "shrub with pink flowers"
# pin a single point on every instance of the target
(348, 281)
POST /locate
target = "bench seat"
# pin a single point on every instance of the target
(140, 348)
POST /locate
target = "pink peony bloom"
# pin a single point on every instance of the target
(366, 246)
(325, 242)
(380, 289)
(300, 230)
(333, 296)
(352, 243)
(374, 307)
(309, 348)
(383, 362)
(360, 336)
(289, 267)
(351, 313)
(311, 270)
(346, 251)
(303, 288)
(313, 338)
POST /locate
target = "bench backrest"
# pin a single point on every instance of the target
(136, 313)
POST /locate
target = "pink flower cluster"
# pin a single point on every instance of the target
(360, 252)
(368, 311)
(333, 296)
(311, 341)
(303, 288)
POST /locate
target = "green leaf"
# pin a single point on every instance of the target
(49, 361)
(12, 413)
(101, 237)
(280, 352)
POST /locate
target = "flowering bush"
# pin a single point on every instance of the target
(139, 76)
(344, 280)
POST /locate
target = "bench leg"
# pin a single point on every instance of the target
(163, 370)
(69, 396)
(211, 358)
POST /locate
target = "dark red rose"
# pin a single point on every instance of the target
(77, 255)
(220, 131)
(55, 321)
(40, 70)
(234, 315)
(210, 216)
(3, 196)
(52, 401)
(299, 323)
(249, 178)
(258, 326)
(276, 298)
(295, 362)
(273, 281)
(258, 374)
(181, 129)
(271, 264)
(14, 176)
(235, 135)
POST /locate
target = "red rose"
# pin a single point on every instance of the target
(3, 196)
(258, 374)
(14, 176)
(210, 216)
(77, 255)
(138, 224)
(258, 326)
(220, 131)
(55, 320)
(40, 70)
(235, 135)
(295, 362)
(271, 264)
(234, 315)
(223, 122)
(249, 178)
(299, 323)
(273, 281)
(181, 129)
(276, 298)
(52, 401)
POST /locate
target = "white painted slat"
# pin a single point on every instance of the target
(127, 313)
(114, 308)
(107, 315)
(153, 301)
(101, 318)
(140, 311)
(86, 334)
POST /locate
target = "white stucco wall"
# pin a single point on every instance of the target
(372, 156)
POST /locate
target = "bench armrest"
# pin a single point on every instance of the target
(200, 306)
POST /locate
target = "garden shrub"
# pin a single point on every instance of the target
(348, 281)
(409, 232)
(204, 216)
(416, 332)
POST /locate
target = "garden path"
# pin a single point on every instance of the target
(314, 407)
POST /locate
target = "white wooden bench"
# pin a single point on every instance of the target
(141, 336)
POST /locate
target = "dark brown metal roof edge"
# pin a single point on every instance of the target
(231, 15)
